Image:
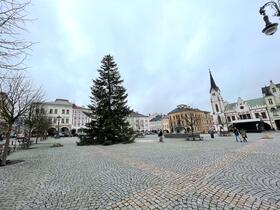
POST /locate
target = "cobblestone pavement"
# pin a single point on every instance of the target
(176, 174)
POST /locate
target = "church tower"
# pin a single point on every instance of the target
(218, 105)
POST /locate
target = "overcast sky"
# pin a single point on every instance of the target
(163, 49)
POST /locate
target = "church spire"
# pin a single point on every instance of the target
(212, 83)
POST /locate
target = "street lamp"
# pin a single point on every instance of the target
(270, 28)
(58, 121)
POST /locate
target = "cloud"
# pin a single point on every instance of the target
(66, 11)
(163, 49)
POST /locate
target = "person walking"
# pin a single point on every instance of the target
(160, 134)
(244, 135)
(211, 132)
(237, 134)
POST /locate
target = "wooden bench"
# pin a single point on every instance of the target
(194, 136)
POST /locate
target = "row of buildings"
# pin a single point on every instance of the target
(261, 113)
(182, 119)
(256, 114)
(66, 116)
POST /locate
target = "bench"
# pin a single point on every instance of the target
(24, 143)
(194, 136)
(140, 135)
(225, 133)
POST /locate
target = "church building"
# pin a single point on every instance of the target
(251, 115)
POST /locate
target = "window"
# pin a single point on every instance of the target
(228, 119)
(264, 115)
(273, 90)
(67, 120)
(241, 107)
(213, 94)
(270, 102)
(217, 108)
(51, 111)
(54, 120)
(233, 118)
(63, 111)
(67, 111)
(62, 120)
(42, 111)
(248, 116)
(273, 109)
(257, 115)
(55, 111)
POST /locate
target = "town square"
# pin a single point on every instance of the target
(209, 174)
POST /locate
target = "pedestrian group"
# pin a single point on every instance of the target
(241, 133)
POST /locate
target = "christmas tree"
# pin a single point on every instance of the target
(108, 107)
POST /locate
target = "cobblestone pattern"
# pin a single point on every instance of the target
(218, 174)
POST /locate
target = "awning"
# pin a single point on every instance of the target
(246, 121)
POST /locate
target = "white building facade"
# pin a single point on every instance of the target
(251, 115)
(156, 123)
(66, 116)
(81, 116)
(271, 94)
(59, 114)
(165, 123)
(139, 122)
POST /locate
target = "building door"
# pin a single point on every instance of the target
(277, 122)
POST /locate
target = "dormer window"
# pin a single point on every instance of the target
(270, 101)
(273, 90)
(213, 94)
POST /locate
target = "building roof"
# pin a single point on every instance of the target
(266, 90)
(136, 114)
(80, 107)
(213, 85)
(64, 102)
(256, 102)
(251, 103)
(156, 118)
(183, 108)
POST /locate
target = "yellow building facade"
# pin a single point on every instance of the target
(187, 119)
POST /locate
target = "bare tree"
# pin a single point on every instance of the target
(13, 49)
(41, 126)
(33, 116)
(17, 95)
(192, 119)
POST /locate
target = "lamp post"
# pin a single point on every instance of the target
(270, 28)
(58, 121)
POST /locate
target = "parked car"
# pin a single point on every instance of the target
(20, 136)
(139, 134)
(13, 135)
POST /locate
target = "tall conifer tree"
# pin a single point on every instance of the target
(109, 107)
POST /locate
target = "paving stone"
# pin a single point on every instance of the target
(211, 174)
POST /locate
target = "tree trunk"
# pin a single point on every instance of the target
(6, 147)
(29, 133)
(37, 136)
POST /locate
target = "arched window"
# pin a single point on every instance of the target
(217, 108)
